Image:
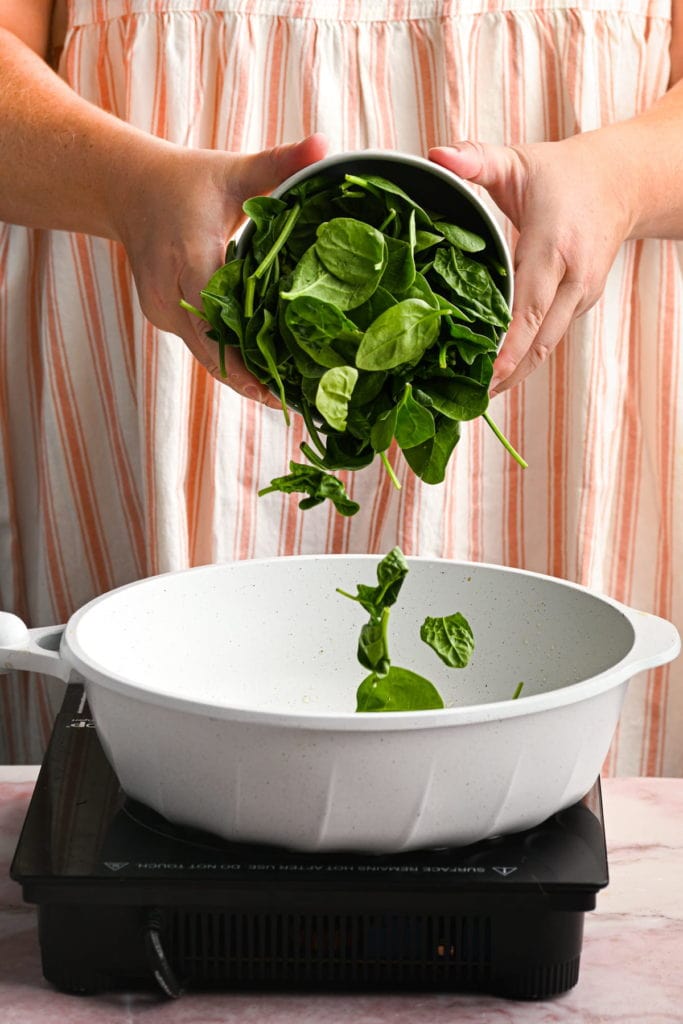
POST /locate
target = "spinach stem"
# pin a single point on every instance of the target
(504, 441)
(192, 309)
(384, 622)
(287, 227)
(517, 692)
(249, 290)
(387, 220)
(268, 260)
(221, 358)
(312, 429)
(392, 476)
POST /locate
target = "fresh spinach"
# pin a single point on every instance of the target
(450, 637)
(334, 393)
(351, 250)
(317, 484)
(391, 687)
(402, 334)
(374, 317)
(398, 690)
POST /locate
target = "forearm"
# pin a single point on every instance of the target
(646, 154)
(65, 164)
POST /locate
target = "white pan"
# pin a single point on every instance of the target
(224, 698)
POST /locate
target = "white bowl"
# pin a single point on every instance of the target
(431, 185)
(224, 697)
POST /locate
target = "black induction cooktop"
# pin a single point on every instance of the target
(126, 899)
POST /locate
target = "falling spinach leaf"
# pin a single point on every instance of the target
(450, 637)
(391, 572)
(390, 687)
(317, 484)
(398, 690)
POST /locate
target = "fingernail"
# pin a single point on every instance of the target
(250, 392)
(493, 386)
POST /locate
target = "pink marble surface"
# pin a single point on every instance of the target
(631, 969)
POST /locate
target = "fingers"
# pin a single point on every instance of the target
(206, 351)
(548, 296)
(170, 316)
(525, 348)
(193, 331)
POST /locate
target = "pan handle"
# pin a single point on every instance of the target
(31, 650)
(657, 641)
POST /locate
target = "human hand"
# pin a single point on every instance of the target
(183, 205)
(572, 215)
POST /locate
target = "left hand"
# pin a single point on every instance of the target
(568, 200)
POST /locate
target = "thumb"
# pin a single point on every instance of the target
(259, 173)
(500, 169)
(484, 164)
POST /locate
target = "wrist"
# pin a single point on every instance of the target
(647, 168)
(609, 160)
(131, 164)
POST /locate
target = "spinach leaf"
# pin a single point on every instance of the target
(398, 690)
(460, 237)
(414, 423)
(450, 637)
(316, 325)
(380, 300)
(267, 216)
(333, 395)
(315, 210)
(317, 484)
(402, 334)
(399, 273)
(391, 572)
(372, 646)
(343, 451)
(473, 283)
(429, 459)
(458, 397)
(425, 240)
(378, 185)
(383, 429)
(351, 250)
(368, 387)
(265, 340)
(311, 277)
(420, 289)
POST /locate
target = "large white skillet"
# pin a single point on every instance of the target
(224, 698)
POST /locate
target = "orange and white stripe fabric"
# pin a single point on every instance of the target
(121, 458)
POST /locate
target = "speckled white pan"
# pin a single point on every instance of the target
(224, 698)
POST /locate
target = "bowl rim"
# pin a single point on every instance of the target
(95, 672)
(461, 185)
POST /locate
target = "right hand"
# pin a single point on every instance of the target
(183, 206)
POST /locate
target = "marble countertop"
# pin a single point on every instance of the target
(631, 967)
